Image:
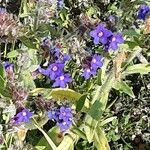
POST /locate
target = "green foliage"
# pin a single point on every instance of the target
(43, 28)
(2, 78)
(123, 87)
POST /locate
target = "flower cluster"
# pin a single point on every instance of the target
(143, 12)
(94, 64)
(55, 70)
(22, 116)
(106, 37)
(63, 116)
(60, 4)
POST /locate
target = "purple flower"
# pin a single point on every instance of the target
(63, 116)
(53, 71)
(7, 65)
(23, 116)
(100, 34)
(115, 41)
(144, 10)
(60, 4)
(88, 72)
(65, 125)
(53, 114)
(62, 80)
(111, 18)
(65, 113)
(96, 62)
(45, 72)
(66, 57)
(56, 69)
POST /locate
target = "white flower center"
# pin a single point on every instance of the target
(88, 70)
(94, 60)
(113, 39)
(64, 123)
(24, 114)
(100, 34)
(62, 78)
(55, 68)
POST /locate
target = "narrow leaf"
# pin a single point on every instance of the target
(53, 146)
(138, 68)
(122, 86)
(100, 140)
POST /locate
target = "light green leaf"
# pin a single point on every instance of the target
(68, 142)
(100, 140)
(55, 135)
(2, 78)
(138, 68)
(40, 147)
(102, 123)
(123, 87)
(50, 142)
(13, 54)
(79, 132)
(62, 93)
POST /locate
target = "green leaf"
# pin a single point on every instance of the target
(28, 80)
(95, 111)
(80, 103)
(49, 140)
(131, 32)
(79, 132)
(107, 121)
(90, 11)
(138, 68)
(28, 42)
(100, 140)
(62, 93)
(55, 135)
(2, 78)
(123, 87)
(68, 142)
(13, 54)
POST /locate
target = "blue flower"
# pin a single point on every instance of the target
(7, 65)
(53, 114)
(144, 10)
(53, 71)
(115, 41)
(63, 116)
(96, 62)
(65, 125)
(100, 34)
(45, 72)
(23, 116)
(88, 72)
(111, 18)
(60, 4)
(66, 57)
(62, 80)
(56, 69)
(65, 113)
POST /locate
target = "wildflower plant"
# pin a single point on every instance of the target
(64, 68)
